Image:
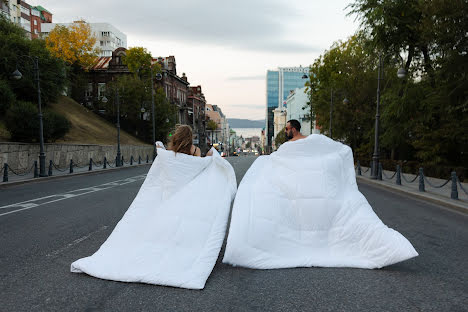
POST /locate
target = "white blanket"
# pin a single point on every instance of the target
(300, 207)
(173, 231)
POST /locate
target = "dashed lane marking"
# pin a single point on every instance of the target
(33, 203)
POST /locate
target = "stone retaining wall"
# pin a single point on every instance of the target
(21, 156)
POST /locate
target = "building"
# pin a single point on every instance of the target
(279, 120)
(26, 16)
(197, 112)
(278, 85)
(175, 87)
(297, 107)
(39, 16)
(108, 37)
(213, 136)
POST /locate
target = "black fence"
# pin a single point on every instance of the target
(422, 179)
(104, 164)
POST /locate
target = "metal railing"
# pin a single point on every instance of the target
(91, 165)
(422, 179)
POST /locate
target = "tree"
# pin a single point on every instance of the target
(280, 138)
(74, 44)
(15, 48)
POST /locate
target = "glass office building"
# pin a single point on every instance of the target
(279, 83)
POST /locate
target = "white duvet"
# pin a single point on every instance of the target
(300, 207)
(173, 231)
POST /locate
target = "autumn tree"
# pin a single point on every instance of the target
(74, 44)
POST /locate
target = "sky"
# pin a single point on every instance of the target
(224, 46)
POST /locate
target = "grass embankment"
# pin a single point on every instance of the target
(86, 126)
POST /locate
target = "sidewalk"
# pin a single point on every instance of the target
(438, 195)
(62, 172)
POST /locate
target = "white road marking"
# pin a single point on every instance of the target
(33, 203)
(76, 241)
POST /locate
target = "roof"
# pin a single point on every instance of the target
(41, 8)
(101, 63)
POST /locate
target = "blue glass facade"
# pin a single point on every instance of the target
(279, 83)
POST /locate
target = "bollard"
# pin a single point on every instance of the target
(359, 168)
(147, 159)
(5, 172)
(379, 173)
(122, 163)
(454, 194)
(131, 160)
(36, 172)
(116, 161)
(71, 165)
(421, 180)
(398, 175)
(90, 164)
(139, 159)
(50, 168)
(105, 163)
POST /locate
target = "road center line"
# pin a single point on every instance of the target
(33, 203)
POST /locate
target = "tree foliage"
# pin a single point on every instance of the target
(280, 137)
(211, 125)
(74, 44)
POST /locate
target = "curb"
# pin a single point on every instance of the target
(446, 202)
(62, 176)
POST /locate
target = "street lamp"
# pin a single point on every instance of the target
(117, 103)
(401, 73)
(158, 77)
(17, 76)
(345, 102)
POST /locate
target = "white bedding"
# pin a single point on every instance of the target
(173, 231)
(300, 207)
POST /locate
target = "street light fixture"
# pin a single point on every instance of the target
(401, 73)
(119, 155)
(16, 75)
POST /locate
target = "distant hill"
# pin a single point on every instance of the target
(245, 123)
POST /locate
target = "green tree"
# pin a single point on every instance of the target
(280, 137)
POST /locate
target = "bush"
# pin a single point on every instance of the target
(55, 126)
(7, 97)
(23, 123)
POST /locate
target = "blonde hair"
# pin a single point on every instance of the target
(181, 141)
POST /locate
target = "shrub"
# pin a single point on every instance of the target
(7, 97)
(23, 124)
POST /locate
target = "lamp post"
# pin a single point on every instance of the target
(119, 155)
(17, 76)
(376, 156)
(152, 114)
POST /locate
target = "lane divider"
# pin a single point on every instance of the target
(33, 203)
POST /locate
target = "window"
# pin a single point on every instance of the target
(101, 90)
(105, 34)
(89, 90)
(35, 22)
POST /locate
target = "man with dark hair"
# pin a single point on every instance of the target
(293, 130)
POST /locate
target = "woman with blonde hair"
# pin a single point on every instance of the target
(171, 234)
(181, 141)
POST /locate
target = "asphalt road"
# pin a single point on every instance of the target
(49, 224)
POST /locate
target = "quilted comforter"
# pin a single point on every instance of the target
(301, 207)
(173, 231)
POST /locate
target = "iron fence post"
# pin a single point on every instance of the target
(36, 172)
(122, 163)
(71, 165)
(379, 173)
(147, 158)
(359, 168)
(398, 175)
(454, 194)
(421, 180)
(90, 164)
(139, 159)
(131, 160)
(50, 168)
(5, 172)
(105, 163)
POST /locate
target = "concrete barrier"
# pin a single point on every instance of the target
(22, 155)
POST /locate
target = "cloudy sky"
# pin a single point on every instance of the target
(224, 46)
